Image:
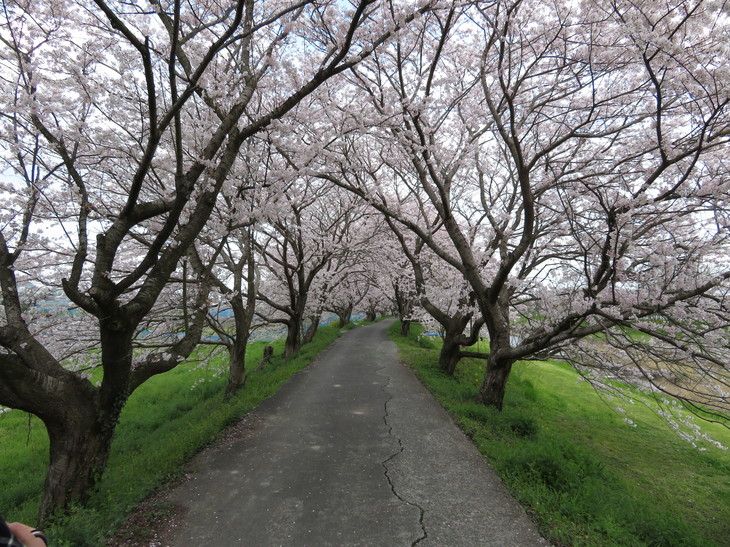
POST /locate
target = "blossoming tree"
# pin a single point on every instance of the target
(121, 125)
(574, 153)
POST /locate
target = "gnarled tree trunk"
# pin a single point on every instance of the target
(237, 366)
(344, 314)
(79, 449)
(80, 420)
(494, 385)
(405, 327)
(450, 353)
(312, 329)
(293, 335)
(454, 336)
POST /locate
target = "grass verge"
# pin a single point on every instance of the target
(166, 421)
(587, 477)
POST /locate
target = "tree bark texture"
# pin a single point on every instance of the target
(237, 367)
(494, 385)
(345, 315)
(450, 353)
(312, 329)
(293, 336)
(79, 450)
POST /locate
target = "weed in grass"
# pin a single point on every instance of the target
(523, 426)
(559, 466)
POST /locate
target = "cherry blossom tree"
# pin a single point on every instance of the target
(353, 236)
(375, 301)
(351, 271)
(224, 257)
(575, 154)
(307, 251)
(369, 286)
(231, 274)
(347, 294)
(121, 125)
(445, 297)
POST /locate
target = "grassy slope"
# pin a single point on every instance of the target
(568, 456)
(167, 420)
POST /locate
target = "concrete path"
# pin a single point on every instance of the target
(352, 451)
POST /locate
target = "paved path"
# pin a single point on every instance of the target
(352, 451)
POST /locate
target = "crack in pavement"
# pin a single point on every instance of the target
(385, 462)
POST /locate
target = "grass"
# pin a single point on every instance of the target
(587, 477)
(166, 421)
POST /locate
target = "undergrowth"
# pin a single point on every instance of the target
(586, 477)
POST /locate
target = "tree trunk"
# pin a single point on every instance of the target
(81, 422)
(242, 315)
(293, 337)
(237, 367)
(370, 316)
(312, 329)
(79, 450)
(449, 356)
(81, 419)
(344, 315)
(405, 327)
(79, 429)
(454, 337)
(495, 382)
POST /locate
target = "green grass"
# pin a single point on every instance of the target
(166, 421)
(567, 455)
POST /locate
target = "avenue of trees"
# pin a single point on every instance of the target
(549, 176)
